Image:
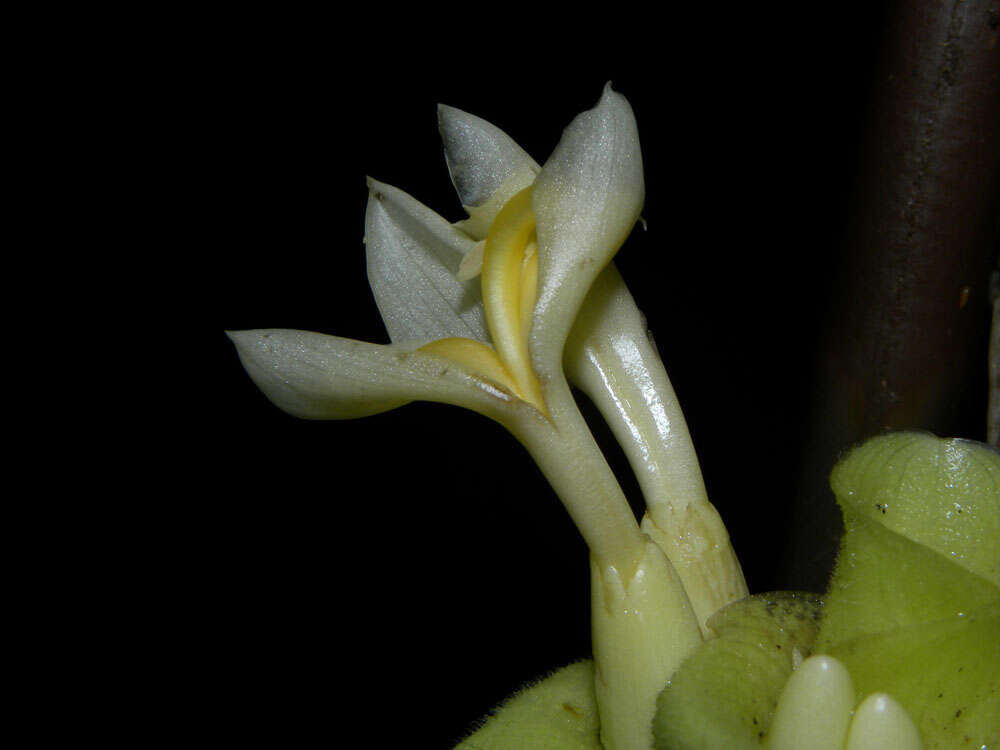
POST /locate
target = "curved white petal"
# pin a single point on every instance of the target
(413, 261)
(487, 167)
(480, 156)
(316, 376)
(586, 201)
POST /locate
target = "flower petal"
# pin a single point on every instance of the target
(316, 376)
(413, 260)
(586, 201)
(487, 167)
(509, 271)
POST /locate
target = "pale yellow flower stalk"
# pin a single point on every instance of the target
(612, 358)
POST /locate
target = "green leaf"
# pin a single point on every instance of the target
(725, 693)
(557, 713)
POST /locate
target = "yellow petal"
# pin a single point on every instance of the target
(476, 356)
(504, 285)
(529, 287)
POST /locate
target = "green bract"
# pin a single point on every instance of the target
(725, 694)
(914, 605)
(557, 713)
(943, 494)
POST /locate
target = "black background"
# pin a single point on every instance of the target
(401, 574)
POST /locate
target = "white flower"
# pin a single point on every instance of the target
(484, 346)
(493, 314)
(495, 344)
(423, 272)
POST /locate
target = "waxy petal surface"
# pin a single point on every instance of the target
(487, 166)
(413, 260)
(586, 201)
(316, 376)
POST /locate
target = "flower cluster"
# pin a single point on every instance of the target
(501, 314)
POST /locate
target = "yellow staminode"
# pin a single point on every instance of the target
(510, 281)
(475, 355)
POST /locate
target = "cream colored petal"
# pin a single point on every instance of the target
(480, 156)
(472, 264)
(413, 260)
(315, 376)
(586, 201)
(487, 167)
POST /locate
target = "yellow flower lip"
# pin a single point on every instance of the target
(510, 279)
(509, 282)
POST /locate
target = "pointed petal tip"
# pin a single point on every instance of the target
(609, 96)
(612, 100)
(379, 192)
(315, 376)
(239, 338)
(446, 111)
(249, 340)
(450, 118)
(481, 158)
(586, 201)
